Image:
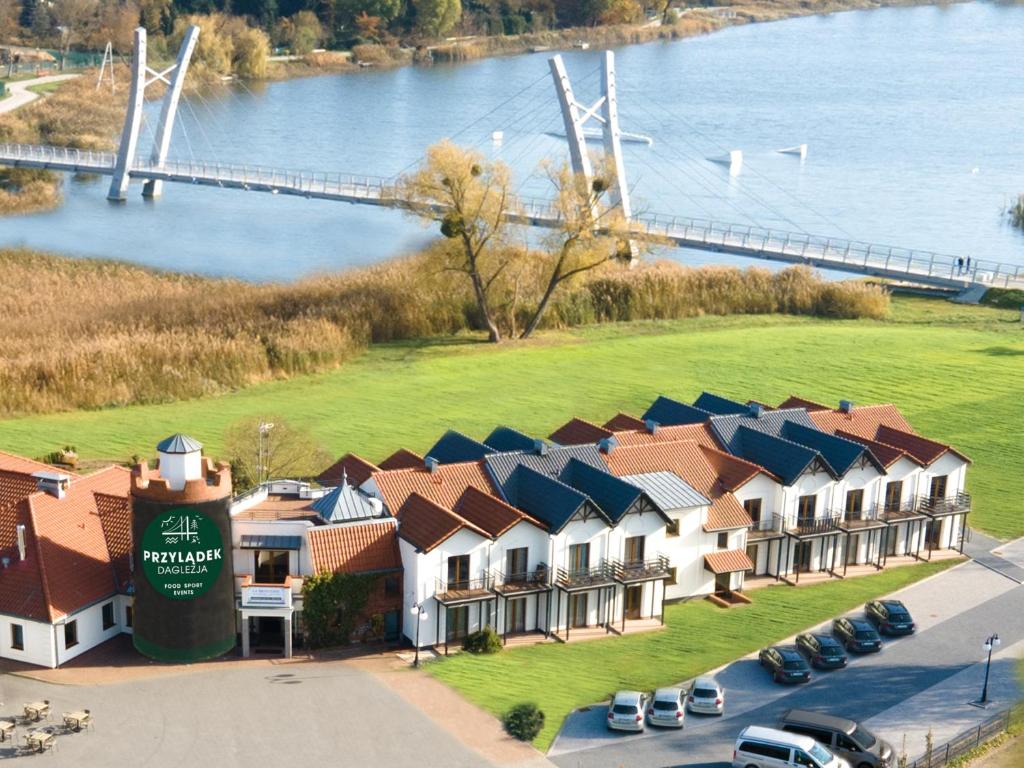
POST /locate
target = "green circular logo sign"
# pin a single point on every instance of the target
(182, 553)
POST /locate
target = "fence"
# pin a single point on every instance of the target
(960, 745)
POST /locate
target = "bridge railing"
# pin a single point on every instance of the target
(56, 155)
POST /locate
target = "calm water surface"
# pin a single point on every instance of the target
(912, 116)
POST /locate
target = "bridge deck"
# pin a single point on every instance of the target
(854, 257)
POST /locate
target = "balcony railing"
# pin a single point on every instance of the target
(799, 525)
(580, 578)
(897, 512)
(850, 519)
(640, 570)
(462, 589)
(957, 504)
(525, 581)
(767, 527)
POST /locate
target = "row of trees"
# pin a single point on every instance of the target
(472, 200)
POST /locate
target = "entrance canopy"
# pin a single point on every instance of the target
(728, 561)
(271, 542)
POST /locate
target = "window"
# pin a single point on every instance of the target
(458, 572)
(271, 566)
(17, 637)
(846, 743)
(516, 562)
(71, 634)
(129, 615)
(854, 504)
(108, 615)
(818, 734)
(802, 758)
(805, 509)
(390, 585)
(671, 576)
(672, 528)
(579, 557)
(753, 507)
(635, 549)
(765, 750)
(893, 495)
(938, 487)
(723, 540)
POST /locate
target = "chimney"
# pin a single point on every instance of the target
(540, 447)
(181, 460)
(651, 425)
(755, 409)
(845, 406)
(21, 541)
(607, 445)
(431, 464)
(54, 483)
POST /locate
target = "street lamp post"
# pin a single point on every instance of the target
(991, 643)
(421, 616)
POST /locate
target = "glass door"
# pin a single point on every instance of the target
(457, 624)
(634, 596)
(516, 619)
(578, 610)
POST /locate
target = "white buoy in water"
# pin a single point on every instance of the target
(498, 136)
(800, 150)
(734, 160)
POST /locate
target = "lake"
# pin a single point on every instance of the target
(912, 117)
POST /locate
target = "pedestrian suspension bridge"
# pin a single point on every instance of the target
(928, 268)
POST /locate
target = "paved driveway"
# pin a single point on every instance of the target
(310, 714)
(19, 94)
(915, 683)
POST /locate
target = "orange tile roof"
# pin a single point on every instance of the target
(362, 548)
(579, 432)
(886, 454)
(280, 507)
(116, 518)
(12, 463)
(733, 472)
(623, 421)
(15, 486)
(798, 402)
(444, 486)
(402, 459)
(728, 561)
(356, 468)
(700, 433)
(490, 513)
(22, 592)
(688, 460)
(425, 524)
(863, 420)
(920, 448)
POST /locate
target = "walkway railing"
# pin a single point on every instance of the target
(960, 745)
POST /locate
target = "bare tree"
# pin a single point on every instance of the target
(75, 18)
(268, 448)
(471, 199)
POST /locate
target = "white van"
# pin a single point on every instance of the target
(759, 747)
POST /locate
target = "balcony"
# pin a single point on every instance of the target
(859, 520)
(768, 527)
(536, 580)
(585, 578)
(902, 512)
(958, 504)
(820, 525)
(640, 570)
(463, 590)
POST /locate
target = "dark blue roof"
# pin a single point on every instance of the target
(455, 446)
(769, 422)
(780, 457)
(841, 454)
(507, 439)
(669, 412)
(612, 495)
(549, 500)
(719, 405)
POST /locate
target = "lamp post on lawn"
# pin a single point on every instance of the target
(991, 643)
(421, 616)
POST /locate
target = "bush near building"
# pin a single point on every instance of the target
(523, 722)
(485, 640)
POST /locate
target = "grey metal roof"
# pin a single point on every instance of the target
(271, 542)
(345, 503)
(668, 490)
(179, 443)
(551, 462)
(769, 422)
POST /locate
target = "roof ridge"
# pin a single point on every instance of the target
(43, 580)
(815, 451)
(458, 518)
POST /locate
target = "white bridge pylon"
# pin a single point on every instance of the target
(142, 78)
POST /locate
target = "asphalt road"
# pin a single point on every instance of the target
(916, 682)
(19, 94)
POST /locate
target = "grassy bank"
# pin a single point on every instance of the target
(697, 637)
(954, 371)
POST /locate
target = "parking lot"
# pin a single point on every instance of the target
(923, 681)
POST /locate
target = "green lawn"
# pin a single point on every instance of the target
(44, 89)
(697, 637)
(956, 372)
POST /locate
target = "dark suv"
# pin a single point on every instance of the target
(846, 738)
(786, 664)
(857, 635)
(890, 616)
(823, 651)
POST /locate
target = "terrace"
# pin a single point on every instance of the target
(575, 579)
(527, 582)
(767, 528)
(807, 527)
(463, 590)
(854, 521)
(958, 504)
(631, 571)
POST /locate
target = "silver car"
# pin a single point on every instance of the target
(626, 712)
(706, 697)
(667, 707)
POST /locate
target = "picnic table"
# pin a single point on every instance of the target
(40, 740)
(6, 729)
(37, 710)
(76, 721)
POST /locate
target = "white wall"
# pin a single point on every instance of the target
(37, 637)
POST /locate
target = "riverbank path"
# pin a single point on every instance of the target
(19, 94)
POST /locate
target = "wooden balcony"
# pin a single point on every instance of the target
(808, 527)
(853, 521)
(901, 513)
(632, 571)
(463, 591)
(576, 579)
(537, 580)
(958, 504)
(768, 527)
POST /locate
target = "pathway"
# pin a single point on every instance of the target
(19, 94)
(1005, 559)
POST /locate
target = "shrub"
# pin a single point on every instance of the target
(485, 640)
(523, 722)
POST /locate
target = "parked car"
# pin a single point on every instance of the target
(626, 712)
(667, 707)
(846, 738)
(785, 663)
(759, 747)
(857, 635)
(891, 617)
(823, 651)
(706, 696)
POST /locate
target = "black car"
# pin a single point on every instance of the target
(823, 651)
(890, 616)
(786, 664)
(857, 635)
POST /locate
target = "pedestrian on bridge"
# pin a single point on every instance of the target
(960, 265)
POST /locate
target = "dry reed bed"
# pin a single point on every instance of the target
(87, 334)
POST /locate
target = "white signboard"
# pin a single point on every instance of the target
(266, 597)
